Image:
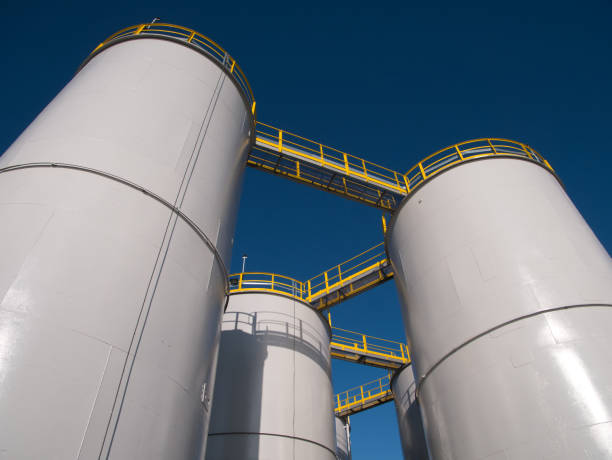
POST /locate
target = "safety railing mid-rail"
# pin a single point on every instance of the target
(364, 396)
(193, 38)
(366, 349)
(307, 161)
(349, 277)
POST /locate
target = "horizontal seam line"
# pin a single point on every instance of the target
(499, 326)
(133, 185)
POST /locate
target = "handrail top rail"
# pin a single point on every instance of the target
(194, 38)
(480, 139)
(380, 379)
(242, 274)
(366, 335)
(347, 261)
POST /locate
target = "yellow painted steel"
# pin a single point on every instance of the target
(364, 396)
(267, 282)
(304, 160)
(345, 275)
(342, 281)
(194, 38)
(468, 151)
(365, 349)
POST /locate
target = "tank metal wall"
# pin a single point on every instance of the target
(506, 297)
(112, 281)
(343, 438)
(410, 424)
(273, 398)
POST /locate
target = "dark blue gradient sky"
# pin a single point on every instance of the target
(391, 84)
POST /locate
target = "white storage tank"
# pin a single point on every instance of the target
(118, 206)
(343, 438)
(273, 398)
(507, 297)
(410, 424)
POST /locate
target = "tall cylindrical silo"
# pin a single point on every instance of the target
(506, 296)
(343, 438)
(410, 424)
(274, 396)
(117, 206)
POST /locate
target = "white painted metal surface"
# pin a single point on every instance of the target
(110, 302)
(410, 424)
(273, 398)
(506, 296)
(343, 438)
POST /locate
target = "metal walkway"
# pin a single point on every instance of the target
(364, 397)
(341, 282)
(365, 349)
(352, 277)
(309, 162)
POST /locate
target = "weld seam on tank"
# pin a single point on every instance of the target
(158, 267)
(135, 186)
(277, 435)
(424, 376)
(187, 45)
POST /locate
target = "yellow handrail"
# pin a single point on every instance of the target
(210, 47)
(378, 176)
(356, 342)
(363, 394)
(329, 157)
(340, 275)
(267, 282)
(347, 271)
(466, 151)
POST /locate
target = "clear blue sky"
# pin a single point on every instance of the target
(390, 84)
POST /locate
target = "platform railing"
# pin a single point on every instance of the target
(467, 151)
(389, 184)
(338, 276)
(367, 395)
(210, 47)
(345, 341)
(267, 282)
(329, 157)
(346, 272)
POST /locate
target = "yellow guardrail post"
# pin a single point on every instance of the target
(407, 183)
(459, 152)
(346, 165)
(326, 283)
(397, 179)
(362, 396)
(309, 291)
(365, 343)
(240, 281)
(280, 141)
(422, 171)
(140, 29)
(365, 170)
(491, 145)
(524, 147)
